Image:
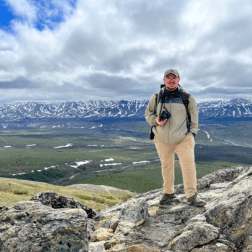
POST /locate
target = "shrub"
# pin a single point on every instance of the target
(126, 197)
(99, 200)
(112, 203)
(84, 197)
(109, 197)
(20, 192)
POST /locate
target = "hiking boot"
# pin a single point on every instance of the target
(195, 201)
(168, 199)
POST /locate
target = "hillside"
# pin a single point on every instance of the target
(15, 190)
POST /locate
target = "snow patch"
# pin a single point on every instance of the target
(141, 162)
(110, 164)
(208, 136)
(68, 145)
(232, 142)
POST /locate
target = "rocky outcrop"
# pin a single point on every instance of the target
(223, 225)
(48, 222)
(31, 226)
(54, 200)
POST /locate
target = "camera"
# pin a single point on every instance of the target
(164, 115)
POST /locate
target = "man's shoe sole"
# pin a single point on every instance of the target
(198, 205)
(163, 205)
(169, 203)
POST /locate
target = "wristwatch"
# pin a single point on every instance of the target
(194, 134)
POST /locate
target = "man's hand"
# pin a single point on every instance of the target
(160, 123)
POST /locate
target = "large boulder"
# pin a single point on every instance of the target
(232, 210)
(55, 200)
(197, 232)
(32, 226)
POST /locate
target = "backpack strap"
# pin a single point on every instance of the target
(185, 97)
(159, 95)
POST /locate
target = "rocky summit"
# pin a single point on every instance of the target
(49, 222)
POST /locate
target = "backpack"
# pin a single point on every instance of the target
(160, 95)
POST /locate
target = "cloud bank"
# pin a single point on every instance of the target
(101, 50)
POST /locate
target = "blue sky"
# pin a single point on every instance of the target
(71, 50)
(6, 16)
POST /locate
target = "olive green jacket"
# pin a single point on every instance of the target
(177, 126)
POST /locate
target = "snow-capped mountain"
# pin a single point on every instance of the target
(91, 109)
(235, 108)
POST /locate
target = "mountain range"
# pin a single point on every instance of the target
(235, 109)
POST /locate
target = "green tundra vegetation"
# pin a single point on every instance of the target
(16, 190)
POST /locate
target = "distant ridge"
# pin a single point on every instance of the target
(237, 108)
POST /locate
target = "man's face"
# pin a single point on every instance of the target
(171, 82)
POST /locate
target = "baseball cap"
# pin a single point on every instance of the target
(171, 70)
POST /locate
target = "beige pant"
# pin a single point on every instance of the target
(185, 152)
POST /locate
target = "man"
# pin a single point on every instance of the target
(175, 134)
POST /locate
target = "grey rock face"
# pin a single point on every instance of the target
(215, 247)
(197, 232)
(54, 200)
(232, 212)
(32, 226)
(224, 224)
(135, 212)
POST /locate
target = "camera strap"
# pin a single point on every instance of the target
(163, 98)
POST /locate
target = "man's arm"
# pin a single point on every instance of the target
(150, 112)
(193, 111)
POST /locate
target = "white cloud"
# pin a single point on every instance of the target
(204, 14)
(23, 8)
(123, 48)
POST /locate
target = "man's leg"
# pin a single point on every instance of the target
(185, 152)
(166, 154)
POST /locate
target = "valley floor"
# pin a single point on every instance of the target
(114, 154)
